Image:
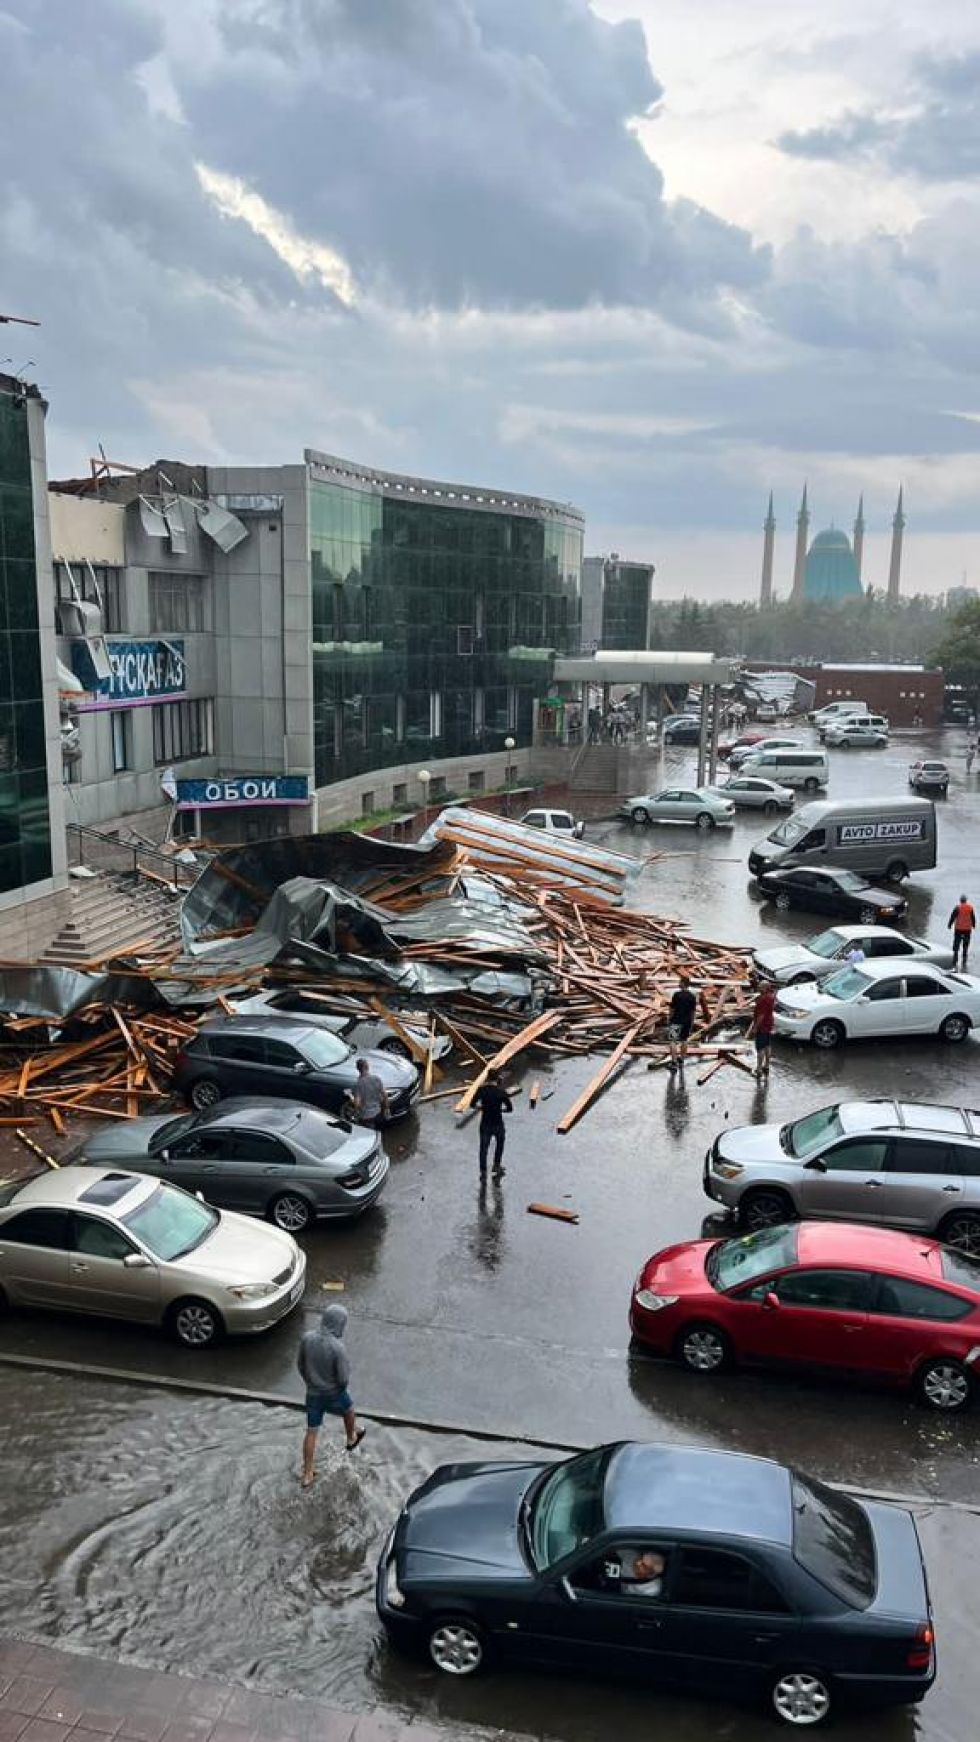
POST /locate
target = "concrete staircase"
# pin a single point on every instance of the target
(616, 769)
(109, 915)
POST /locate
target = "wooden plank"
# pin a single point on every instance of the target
(598, 1082)
(36, 1148)
(421, 1054)
(527, 1037)
(458, 1038)
(534, 1093)
(552, 1210)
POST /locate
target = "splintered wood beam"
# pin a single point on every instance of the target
(527, 1037)
(598, 1082)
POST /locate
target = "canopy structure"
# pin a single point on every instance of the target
(653, 666)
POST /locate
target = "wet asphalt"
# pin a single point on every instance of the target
(468, 1312)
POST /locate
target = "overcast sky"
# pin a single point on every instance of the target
(652, 256)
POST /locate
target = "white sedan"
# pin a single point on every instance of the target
(880, 1000)
(681, 804)
(742, 752)
(857, 737)
(753, 792)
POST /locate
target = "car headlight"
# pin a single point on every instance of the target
(791, 1010)
(393, 1593)
(727, 1169)
(653, 1303)
(252, 1290)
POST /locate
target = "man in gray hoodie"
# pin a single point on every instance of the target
(324, 1366)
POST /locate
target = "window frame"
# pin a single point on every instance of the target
(121, 740)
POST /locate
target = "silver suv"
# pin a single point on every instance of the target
(904, 1164)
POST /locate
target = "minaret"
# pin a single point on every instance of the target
(895, 565)
(765, 594)
(859, 536)
(799, 564)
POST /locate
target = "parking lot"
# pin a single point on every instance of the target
(468, 1313)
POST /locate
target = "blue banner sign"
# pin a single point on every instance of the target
(242, 789)
(140, 672)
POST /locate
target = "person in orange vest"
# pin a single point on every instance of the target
(963, 922)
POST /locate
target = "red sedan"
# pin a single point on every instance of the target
(742, 743)
(855, 1299)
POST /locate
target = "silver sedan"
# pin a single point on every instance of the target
(827, 951)
(112, 1243)
(753, 792)
(699, 805)
(363, 1033)
(285, 1160)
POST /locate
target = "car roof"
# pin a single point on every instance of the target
(690, 1488)
(885, 967)
(912, 1255)
(63, 1187)
(284, 1025)
(911, 1116)
(862, 931)
(246, 1111)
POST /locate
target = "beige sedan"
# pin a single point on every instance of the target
(121, 1245)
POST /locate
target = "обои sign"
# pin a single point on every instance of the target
(140, 672)
(242, 789)
(906, 829)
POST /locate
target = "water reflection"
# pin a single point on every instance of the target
(677, 1105)
(485, 1236)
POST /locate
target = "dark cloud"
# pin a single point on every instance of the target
(935, 135)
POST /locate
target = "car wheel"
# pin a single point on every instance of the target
(955, 1027)
(944, 1384)
(703, 1349)
(704, 821)
(639, 815)
(962, 1231)
(783, 901)
(203, 1094)
(290, 1212)
(765, 1209)
(395, 1048)
(770, 807)
(868, 916)
(827, 1035)
(801, 1698)
(843, 745)
(458, 1647)
(897, 871)
(194, 1323)
(810, 785)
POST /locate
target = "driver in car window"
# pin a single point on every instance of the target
(641, 1573)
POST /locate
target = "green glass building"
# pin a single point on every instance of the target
(25, 823)
(435, 608)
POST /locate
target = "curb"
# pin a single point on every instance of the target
(417, 1424)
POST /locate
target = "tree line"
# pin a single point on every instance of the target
(917, 630)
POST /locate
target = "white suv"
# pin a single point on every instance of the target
(554, 823)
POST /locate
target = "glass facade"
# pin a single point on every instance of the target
(432, 623)
(626, 605)
(25, 824)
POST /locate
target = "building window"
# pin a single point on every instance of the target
(435, 714)
(182, 730)
(437, 786)
(399, 792)
(475, 782)
(367, 804)
(464, 638)
(121, 727)
(96, 584)
(176, 603)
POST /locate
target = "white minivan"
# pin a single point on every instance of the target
(836, 710)
(790, 766)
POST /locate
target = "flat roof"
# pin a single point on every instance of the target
(331, 469)
(694, 1488)
(653, 665)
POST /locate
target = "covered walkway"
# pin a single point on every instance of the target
(652, 671)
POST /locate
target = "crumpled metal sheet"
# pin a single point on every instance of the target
(568, 863)
(57, 993)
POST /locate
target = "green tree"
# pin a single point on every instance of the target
(958, 652)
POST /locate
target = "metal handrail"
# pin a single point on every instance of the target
(109, 853)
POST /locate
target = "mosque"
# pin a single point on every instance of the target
(829, 570)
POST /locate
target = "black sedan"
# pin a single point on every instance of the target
(833, 891)
(682, 729)
(280, 1055)
(706, 1569)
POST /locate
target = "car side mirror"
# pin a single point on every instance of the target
(816, 1165)
(569, 1589)
(770, 1301)
(136, 1261)
(301, 1067)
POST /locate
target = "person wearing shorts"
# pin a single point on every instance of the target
(680, 1021)
(324, 1367)
(763, 1023)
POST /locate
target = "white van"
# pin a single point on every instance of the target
(828, 728)
(834, 710)
(879, 837)
(790, 766)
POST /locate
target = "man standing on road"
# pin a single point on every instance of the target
(680, 1021)
(762, 1025)
(493, 1101)
(962, 923)
(324, 1366)
(369, 1097)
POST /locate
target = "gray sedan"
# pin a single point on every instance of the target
(681, 804)
(827, 951)
(753, 792)
(360, 1032)
(281, 1159)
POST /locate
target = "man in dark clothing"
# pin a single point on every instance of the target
(762, 1025)
(963, 924)
(683, 1006)
(324, 1366)
(493, 1102)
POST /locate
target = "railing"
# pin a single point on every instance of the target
(99, 852)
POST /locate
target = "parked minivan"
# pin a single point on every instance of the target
(835, 711)
(790, 767)
(827, 729)
(880, 837)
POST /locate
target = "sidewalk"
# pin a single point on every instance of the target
(48, 1695)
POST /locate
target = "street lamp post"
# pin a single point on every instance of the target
(508, 773)
(424, 778)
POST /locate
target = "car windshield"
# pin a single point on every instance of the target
(171, 1223)
(849, 983)
(833, 1540)
(810, 1133)
(961, 1269)
(323, 1049)
(850, 880)
(826, 944)
(567, 1510)
(789, 832)
(173, 1129)
(733, 1262)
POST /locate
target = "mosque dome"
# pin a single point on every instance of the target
(831, 571)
